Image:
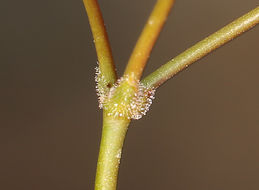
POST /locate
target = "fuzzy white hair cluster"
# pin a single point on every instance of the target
(131, 106)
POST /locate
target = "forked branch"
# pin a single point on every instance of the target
(120, 98)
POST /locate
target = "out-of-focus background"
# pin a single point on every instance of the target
(203, 127)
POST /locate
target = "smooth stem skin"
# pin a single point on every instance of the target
(113, 134)
(202, 48)
(148, 38)
(101, 41)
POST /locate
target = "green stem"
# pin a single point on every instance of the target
(113, 135)
(202, 48)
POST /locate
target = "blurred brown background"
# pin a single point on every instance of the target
(203, 128)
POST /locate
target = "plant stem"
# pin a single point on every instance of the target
(202, 48)
(113, 134)
(101, 41)
(148, 37)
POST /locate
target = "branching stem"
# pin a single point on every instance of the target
(115, 122)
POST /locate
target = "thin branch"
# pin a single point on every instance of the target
(202, 48)
(148, 37)
(101, 41)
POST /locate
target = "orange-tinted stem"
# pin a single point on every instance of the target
(148, 38)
